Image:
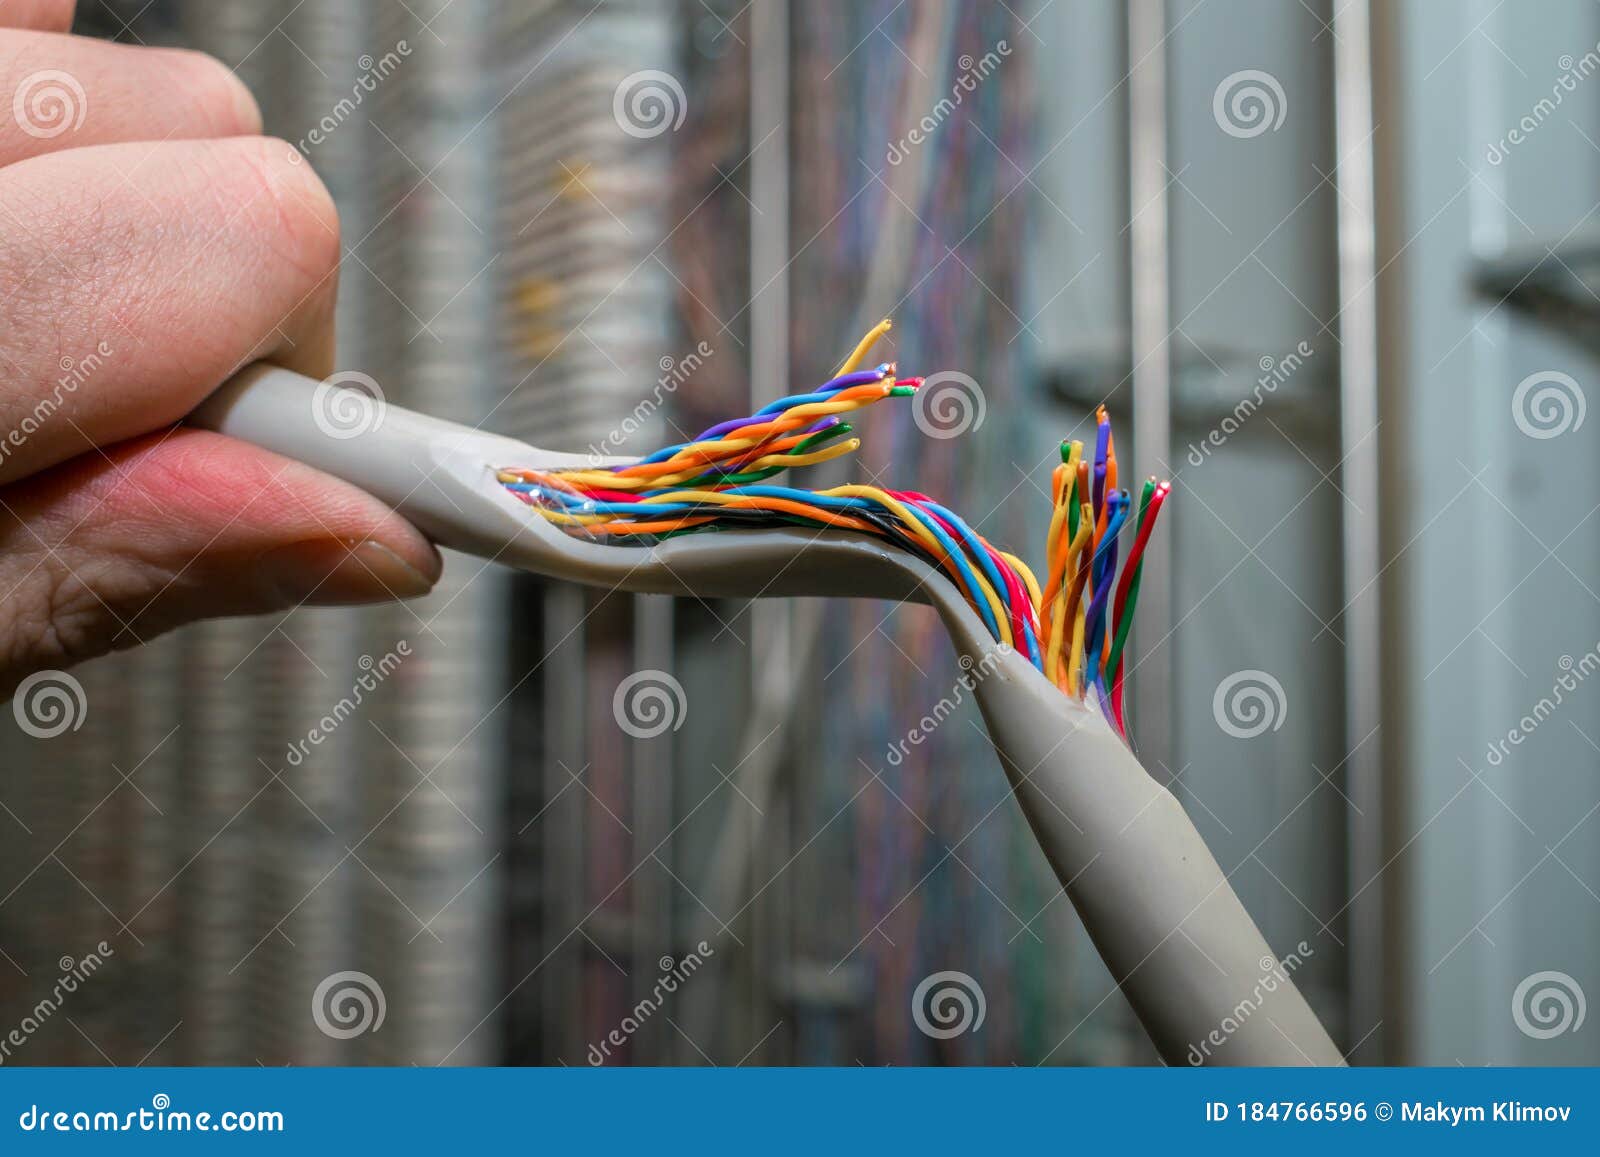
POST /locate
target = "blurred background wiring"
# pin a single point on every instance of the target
(600, 225)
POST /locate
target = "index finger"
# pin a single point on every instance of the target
(125, 299)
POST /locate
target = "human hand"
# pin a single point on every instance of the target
(151, 243)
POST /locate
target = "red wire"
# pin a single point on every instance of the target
(1129, 569)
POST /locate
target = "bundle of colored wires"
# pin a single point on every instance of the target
(1074, 629)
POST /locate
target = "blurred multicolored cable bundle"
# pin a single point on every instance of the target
(1074, 629)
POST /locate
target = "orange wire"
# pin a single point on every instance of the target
(690, 456)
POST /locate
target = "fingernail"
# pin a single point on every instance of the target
(330, 573)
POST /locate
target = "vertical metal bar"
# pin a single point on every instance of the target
(565, 875)
(772, 632)
(1149, 282)
(1358, 422)
(651, 895)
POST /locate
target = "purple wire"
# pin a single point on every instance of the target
(859, 378)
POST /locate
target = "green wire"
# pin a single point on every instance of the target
(748, 476)
(1126, 621)
(1072, 495)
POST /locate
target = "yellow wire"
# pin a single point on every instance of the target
(696, 465)
(1085, 524)
(1058, 612)
(926, 537)
(1026, 575)
(863, 348)
(1058, 573)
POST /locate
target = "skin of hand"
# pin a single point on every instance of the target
(152, 242)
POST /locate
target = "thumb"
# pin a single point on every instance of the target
(115, 547)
